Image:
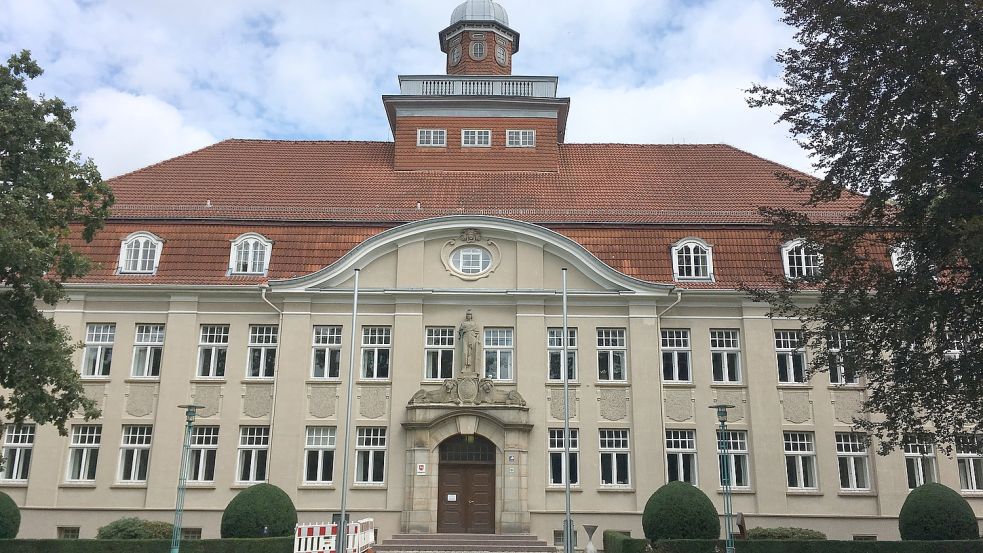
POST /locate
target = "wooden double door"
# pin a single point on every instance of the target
(466, 487)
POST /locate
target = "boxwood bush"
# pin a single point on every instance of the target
(256, 507)
(819, 546)
(9, 517)
(133, 528)
(619, 542)
(680, 511)
(782, 533)
(935, 512)
(270, 545)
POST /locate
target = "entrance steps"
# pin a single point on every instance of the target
(497, 543)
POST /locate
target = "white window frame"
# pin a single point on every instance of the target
(853, 461)
(253, 454)
(692, 259)
(807, 261)
(326, 352)
(921, 464)
(136, 256)
(789, 346)
(554, 354)
(18, 450)
(800, 455)
(681, 446)
(431, 138)
(376, 352)
(370, 443)
(838, 374)
(737, 456)
(250, 254)
(615, 444)
(612, 343)
(148, 351)
(476, 138)
(213, 351)
(264, 339)
(98, 356)
(725, 353)
(319, 454)
(202, 453)
(499, 353)
(83, 452)
(463, 260)
(520, 138)
(134, 451)
(677, 356)
(478, 50)
(969, 460)
(557, 461)
(438, 352)
(902, 258)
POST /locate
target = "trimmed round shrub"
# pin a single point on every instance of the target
(782, 533)
(256, 507)
(132, 528)
(935, 512)
(9, 517)
(680, 511)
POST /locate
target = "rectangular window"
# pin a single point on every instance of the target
(554, 348)
(472, 137)
(676, 356)
(190, 534)
(134, 456)
(681, 455)
(376, 343)
(99, 339)
(213, 348)
(558, 468)
(725, 356)
(791, 357)
(521, 139)
(498, 353)
(148, 349)
(327, 352)
(611, 355)
(254, 449)
(800, 460)
(736, 466)
(68, 532)
(431, 137)
(201, 456)
(370, 455)
(18, 447)
(83, 452)
(614, 449)
(851, 455)
(841, 370)
(440, 353)
(262, 351)
(319, 455)
(969, 457)
(919, 459)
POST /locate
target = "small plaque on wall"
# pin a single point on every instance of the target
(452, 497)
(421, 469)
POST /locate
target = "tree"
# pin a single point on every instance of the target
(48, 193)
(886, 97)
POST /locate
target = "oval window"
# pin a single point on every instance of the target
(471, 260)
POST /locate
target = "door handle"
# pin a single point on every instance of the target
(470, 501)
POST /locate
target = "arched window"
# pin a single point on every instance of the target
(250, 255)
(692, 259)
(801, 259)
(140, 253)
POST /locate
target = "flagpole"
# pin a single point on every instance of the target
(340, 546)
(567, 521)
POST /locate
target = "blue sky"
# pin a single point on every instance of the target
(152, 80)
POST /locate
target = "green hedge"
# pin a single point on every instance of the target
(257, 545)
(784, 533)
(818, 546)
(936, 512)
(619, 542)
(9, 517)
(256, 507)
(680, 511)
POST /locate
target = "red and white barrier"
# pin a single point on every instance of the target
(321, 537)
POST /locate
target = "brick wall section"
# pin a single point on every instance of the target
(497, 157)
(486, 66)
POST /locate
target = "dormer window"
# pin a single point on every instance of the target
(473, 137)
(140, 253)
(250, 255)
(520, 139)
(801, 259)
(901, 257)
(431, 137)
(692, 259)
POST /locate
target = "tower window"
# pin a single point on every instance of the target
(431, 137)
(478, 138)
(478, 51)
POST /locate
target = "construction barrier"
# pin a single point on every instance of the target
(322, 537)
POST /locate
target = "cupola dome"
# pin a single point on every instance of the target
(480, 10)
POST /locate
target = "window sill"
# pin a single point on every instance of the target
(13, 483)
(370, 486)
(313, 380)
(806, 493)
(615, 489)
(794, 385)
(81, 485)
(326, 486)
(200, 485)
(141, 379)
(374, 381)
(678, 384)
(857, 387)
(258, 380)
(559, 383)
(974, 494)
(129, 486)
(739, 491)
(561, 489)
(95, 378)
(857, 493)
(244, 485)
(728, 385)
(208, 380)
(613, 383)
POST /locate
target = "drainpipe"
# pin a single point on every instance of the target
(263, 289)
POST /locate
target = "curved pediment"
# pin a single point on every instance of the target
(471, 254)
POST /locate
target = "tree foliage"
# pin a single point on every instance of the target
(886, 96)
(44, 188)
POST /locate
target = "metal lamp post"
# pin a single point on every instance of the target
(190, 411)
(725, 474)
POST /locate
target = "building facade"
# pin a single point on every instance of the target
(226, 279)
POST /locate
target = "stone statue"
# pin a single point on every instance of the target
(469, 336)
(447, 393)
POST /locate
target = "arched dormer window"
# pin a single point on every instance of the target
(139, 253)
(692, 259)
(801, 259)
(250, 255)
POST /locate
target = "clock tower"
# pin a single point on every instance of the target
(478, 40)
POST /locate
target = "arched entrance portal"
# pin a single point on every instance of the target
(466, 485)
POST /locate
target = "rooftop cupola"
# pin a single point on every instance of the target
(478, 40)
